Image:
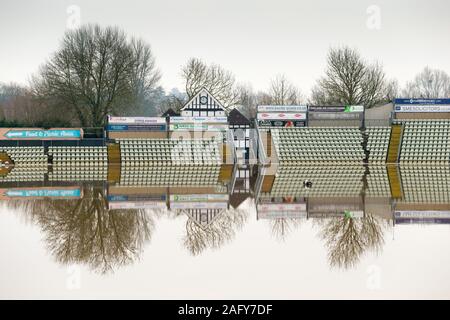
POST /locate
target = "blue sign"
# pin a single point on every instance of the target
(126, 127)
(33, 193)
(421, 101)
(145, 197)
(39, 134)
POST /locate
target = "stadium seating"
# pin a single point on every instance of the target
(170, 175)
(30, 164)
(30, 156)
(425, 183)
(426, 142)
(377, 182)
(78, 163)
(319, 145)
(170, 161)
(378, 143)
(157, 152)
(330, 181)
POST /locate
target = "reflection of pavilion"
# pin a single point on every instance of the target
(199, 191)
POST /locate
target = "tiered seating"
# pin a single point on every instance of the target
(23, 172)
(29, 156)
(30, 164)
(331, 144)
(426, 141)
(326, 181)
(154, 152)
(378, 143)
(170, 162)
(378, 182)
(170, 175)
(79, 163)
(426, 184)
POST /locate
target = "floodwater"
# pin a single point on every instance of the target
(307, 233)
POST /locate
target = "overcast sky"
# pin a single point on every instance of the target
(255, 39)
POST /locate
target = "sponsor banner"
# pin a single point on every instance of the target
(137, 205)
(141, 197)
(422, 214)
(198, 197)
(421, 221)
(40, 134)
(281, 116)
(281, 207)
(422, 108)
(422, 101)
(198, 205)
(335, 116)
(336, 109)
(136, 120)
(281, 123)
(282, 214)
(126, 127)
(33, 193)
(346, 214)
(197, 127)
(223, 120)
(283, 109)
(334, 207)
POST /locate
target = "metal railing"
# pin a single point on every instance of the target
(261, 152)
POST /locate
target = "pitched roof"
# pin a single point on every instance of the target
(195, 101)
(235, 117)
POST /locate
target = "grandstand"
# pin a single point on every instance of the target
(29, 164)
(319, 145)
(78, 163)
(426, 141)
(377, 143)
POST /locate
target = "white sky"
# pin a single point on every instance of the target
(255, 39)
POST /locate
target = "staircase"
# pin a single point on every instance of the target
(114, 162)
(269, 144)
(226, 154)
(226, 173)
(267, 183)
(394, 181)
(394, 144)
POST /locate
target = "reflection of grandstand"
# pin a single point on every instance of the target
(426, 184)
(380, 190)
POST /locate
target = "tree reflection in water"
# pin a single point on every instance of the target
(220, 231)
(84, 231)
(282, 227)
(347, 238)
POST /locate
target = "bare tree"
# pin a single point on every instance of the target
(97, 71)
(348, 238)
(283, 92)
(247, 100)
(220, 82)
(430, 83)
(220, 231)
(282, 227)
(350, 80)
